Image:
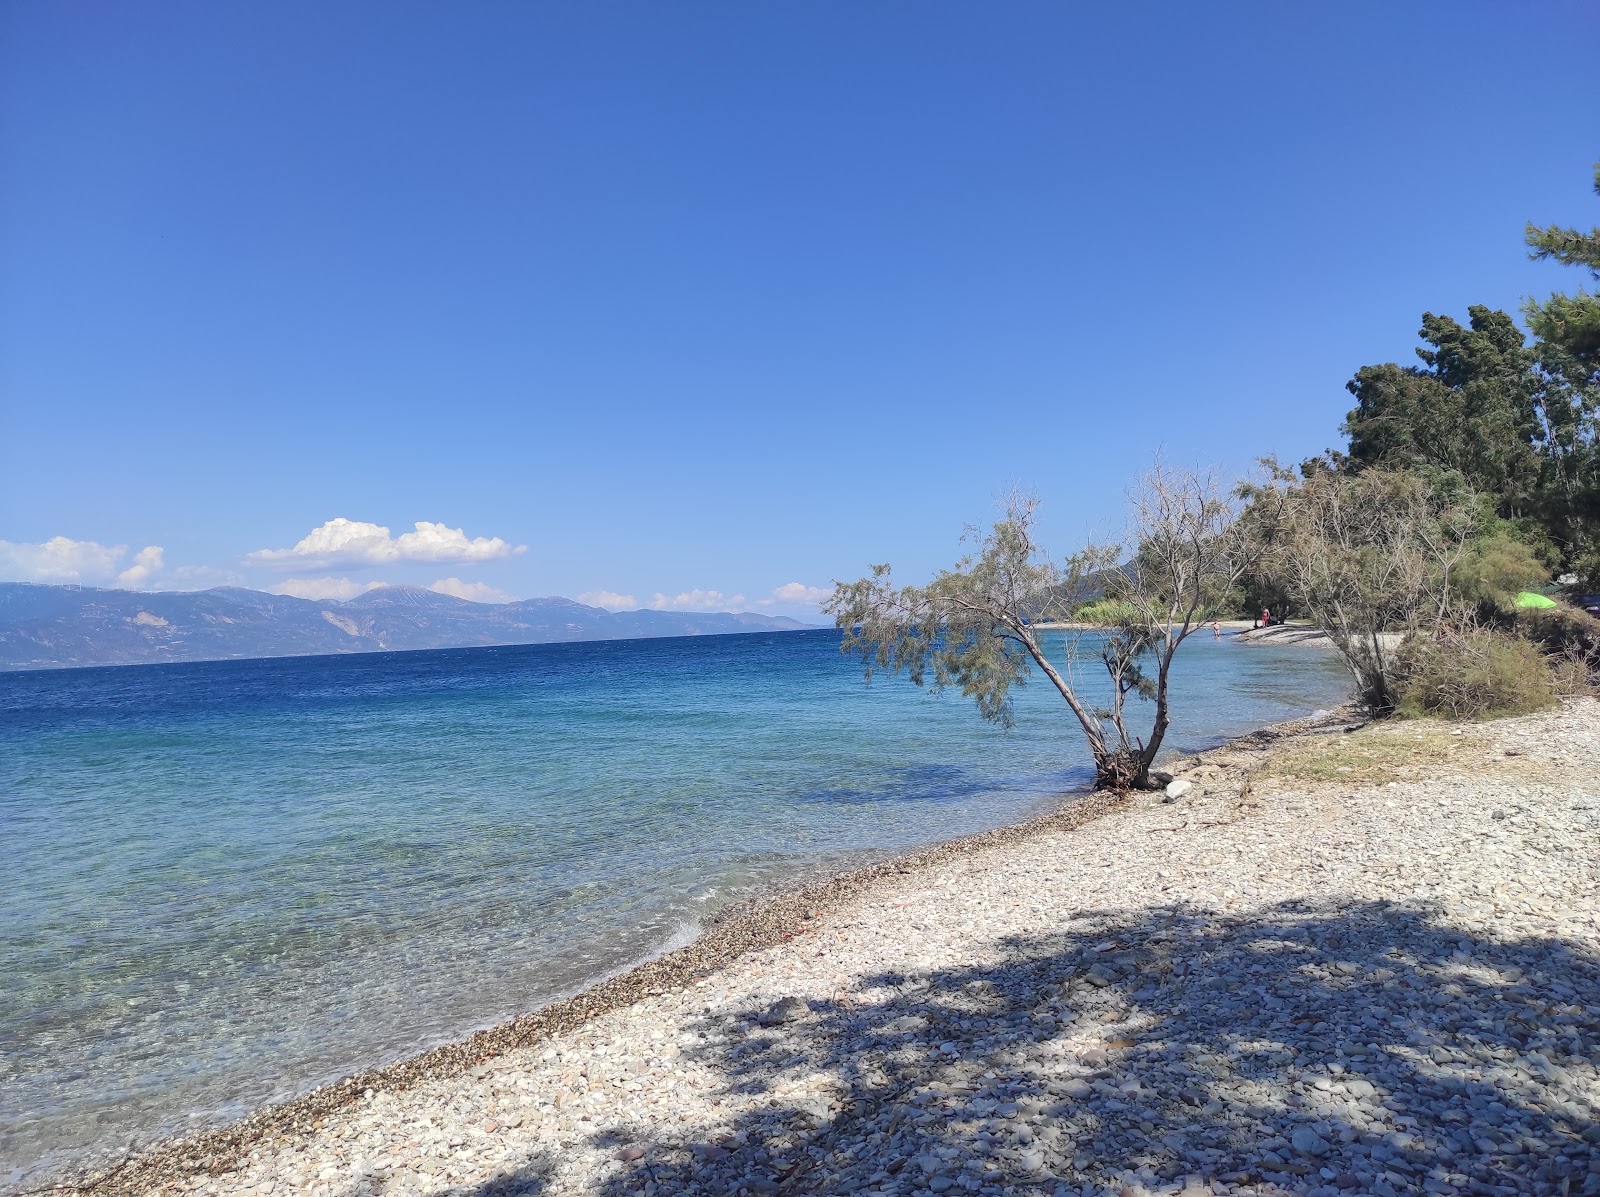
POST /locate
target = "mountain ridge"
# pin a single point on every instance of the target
(53, 627)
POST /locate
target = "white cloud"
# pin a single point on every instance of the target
(477, 592)
(62, 559)
(795, 594)
(322, 589)
(146, 563)
(342, 542)
(609, 599)
(790, 594)
(696, 600)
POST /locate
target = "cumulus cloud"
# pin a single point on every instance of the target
(62, 559)
(790, 594)
(696, 600)
(351, 543)
(146, 564)
(477, 592)
(609, 599)
(322, 589)
(795, 594)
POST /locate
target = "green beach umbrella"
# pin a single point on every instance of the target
(1529, 599)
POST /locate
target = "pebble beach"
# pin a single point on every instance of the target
(1342, 961)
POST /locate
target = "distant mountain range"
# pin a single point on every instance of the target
(46, 627)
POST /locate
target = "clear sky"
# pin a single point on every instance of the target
(657, 299)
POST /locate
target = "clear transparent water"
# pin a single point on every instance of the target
(224, 883)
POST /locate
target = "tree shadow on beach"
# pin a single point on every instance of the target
(531, 1178)
(1367, 1048)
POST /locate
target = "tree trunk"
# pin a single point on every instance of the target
(1121, 769)
(1158, 729)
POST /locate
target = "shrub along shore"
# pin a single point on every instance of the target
(1361, 961)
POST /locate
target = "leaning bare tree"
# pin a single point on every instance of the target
(1369, 556)
(977, 626)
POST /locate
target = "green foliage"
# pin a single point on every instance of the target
(1368, 556)
(1585, 565)
(1569, 328)
(1260, 591)
(1106, 613)
(971, 626)
(1569, 324)
(1472, 408)
(1519, 424)
(975, 626)
(1414, 579)
(1497, 566)
(1570, 247)
(1472, 675)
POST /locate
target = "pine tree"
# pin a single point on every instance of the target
(1473, 408)
(1569, 324)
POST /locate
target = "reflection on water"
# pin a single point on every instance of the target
(227, 882)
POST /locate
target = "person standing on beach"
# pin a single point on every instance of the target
(1216, 630)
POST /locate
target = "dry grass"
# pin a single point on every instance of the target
(1378, 753)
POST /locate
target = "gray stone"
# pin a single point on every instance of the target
(1313, 965)
(1307, 1142)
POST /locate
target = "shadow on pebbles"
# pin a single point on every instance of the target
(1383, 989)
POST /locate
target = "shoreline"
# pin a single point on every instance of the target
(763, 921)
(1235, 625)
(1293, 634)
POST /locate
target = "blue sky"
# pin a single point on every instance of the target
(705, 300)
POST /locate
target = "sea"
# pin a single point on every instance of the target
(224, 883)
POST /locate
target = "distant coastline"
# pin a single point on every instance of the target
(58, 627)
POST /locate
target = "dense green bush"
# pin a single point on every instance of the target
(1495, 569)
(1471, 675)
(1106, 612)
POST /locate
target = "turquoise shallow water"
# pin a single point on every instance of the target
(227, 882)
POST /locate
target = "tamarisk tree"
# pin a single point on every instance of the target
(1372, 557)
(977, 626)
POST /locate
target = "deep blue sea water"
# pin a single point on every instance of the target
(223, 883)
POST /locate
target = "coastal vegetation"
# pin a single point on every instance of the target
(976, 626)
(1467, 481)
(1411, 581)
